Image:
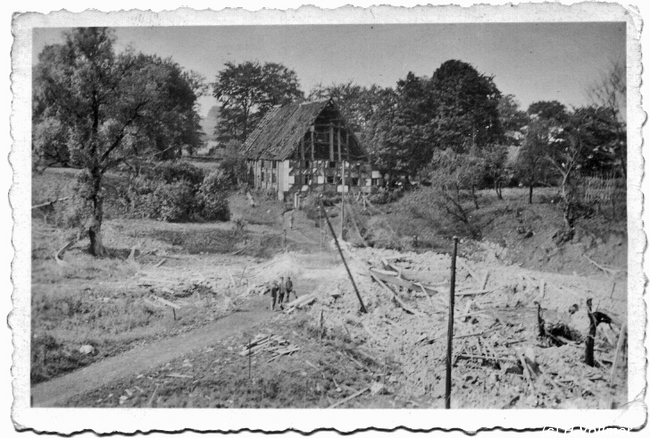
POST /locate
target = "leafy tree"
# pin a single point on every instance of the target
(494, 166)
(110, 108)
(397, 131)
(610, 92)
(466, 113)
(548, 110)
(532, 164)
(247, 91)
(543, 133)
(513, 120)
(452, 175)
(599, 131)
(357, 104)
(457, 108)
(233, 164)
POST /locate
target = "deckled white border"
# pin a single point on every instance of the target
(131, 420)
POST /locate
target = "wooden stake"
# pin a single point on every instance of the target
(529, 379)
(450, 327)
(589, 343)
(485, 279)
(619, 345)
(329, 224)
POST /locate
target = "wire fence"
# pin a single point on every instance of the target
(602, 188)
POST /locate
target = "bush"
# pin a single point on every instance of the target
(174, 171)
(167, 191)
(177, 201)
(213, 196)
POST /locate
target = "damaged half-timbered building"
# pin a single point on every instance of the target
(302, 147)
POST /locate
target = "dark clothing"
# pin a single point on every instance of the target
(274, 295)
(288, 285)
(283, 291)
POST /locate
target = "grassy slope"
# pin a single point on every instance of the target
(520, 233)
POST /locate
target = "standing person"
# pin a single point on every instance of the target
(282, 291)
(274, 293)
(291, 219)
(288, 285)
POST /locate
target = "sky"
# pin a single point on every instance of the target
(532, 61)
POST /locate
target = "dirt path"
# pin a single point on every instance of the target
(56, 391)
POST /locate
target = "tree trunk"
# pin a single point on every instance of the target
(530, 193)
(97, 203)
(474, 197)
(498, 189)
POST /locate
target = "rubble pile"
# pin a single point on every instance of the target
(519, 335)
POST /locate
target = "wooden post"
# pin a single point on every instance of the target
(249, 360)
(450, 327)
(589, 342)
(329, 224)
(619, 347)
(313, 146)
(342, 185)
(331, 142)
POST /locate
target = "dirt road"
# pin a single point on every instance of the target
(56, 391)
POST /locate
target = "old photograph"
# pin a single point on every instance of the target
(277, 215)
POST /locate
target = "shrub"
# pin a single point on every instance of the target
(213, 196)
(166, 191)
(176, 200)
(173, 171)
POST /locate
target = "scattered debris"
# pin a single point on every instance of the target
(274, 344)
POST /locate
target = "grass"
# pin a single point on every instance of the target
(217, 377)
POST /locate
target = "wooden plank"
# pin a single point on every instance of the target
(477, 292)
(405, 283)
(167, 303)
(347, 399)
(151, 303)
(406, 308)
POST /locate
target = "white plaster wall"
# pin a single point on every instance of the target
(283, 178)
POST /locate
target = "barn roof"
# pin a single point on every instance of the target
(281, 129)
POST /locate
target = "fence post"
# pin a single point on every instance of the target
(329, 224)
(450, 327)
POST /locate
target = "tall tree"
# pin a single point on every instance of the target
(396, 131)
(466, 107)
(109, 108)
(546, 122)
(247, 91)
